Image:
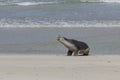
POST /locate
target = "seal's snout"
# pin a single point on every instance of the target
(58, 37)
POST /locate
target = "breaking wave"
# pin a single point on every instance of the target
(57, 24)
(25, 3)
(114, 1)
(33, 3)
(111, 1)
(40, 2)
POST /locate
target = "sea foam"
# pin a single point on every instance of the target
(25, 3)
(58, 24)
(33, 3)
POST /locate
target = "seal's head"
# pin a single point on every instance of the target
(60, 38)
(66, 42)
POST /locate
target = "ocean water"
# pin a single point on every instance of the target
(31, 26)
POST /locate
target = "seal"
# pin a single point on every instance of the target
(75, 47)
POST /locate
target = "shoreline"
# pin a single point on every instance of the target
(45, 67)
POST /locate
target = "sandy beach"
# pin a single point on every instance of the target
(45, 67)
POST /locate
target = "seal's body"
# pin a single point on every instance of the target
(74, 46)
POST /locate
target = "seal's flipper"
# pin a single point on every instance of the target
(84, 52)
(69, 53)
(75, 53)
